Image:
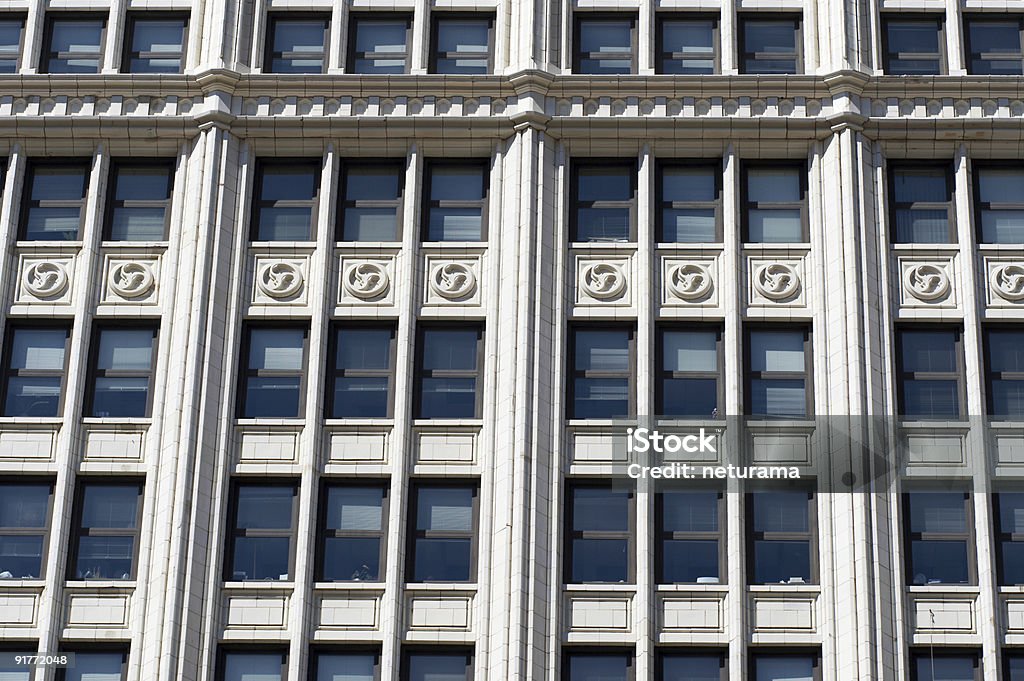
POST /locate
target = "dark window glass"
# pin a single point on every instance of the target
(122, 372)
(140, 201)
(157, 43)
(462, 44)
(107, 665)
(690, 197)
(914, 46)
(35, 369)
(688, 46)
(994, 46)
(770, 45)
(456, 201)
(782, 538)
(254, 666)
(24, 518)
(355, 666)
(1015, 667)
(273, 378)
(938, 538)
(604, 45)
(922, 199)
(604, 198)
(1000, 204)
(784, 668)
(286, 200)
(353, 548)
(444, 534)
(932, 666)
(54, 199)
(437, 666)
(1009, 516)
(11, 30)
(586, 666)
(602, 373)
(691, 536)
(379, 44)
(776, 204)
(1004, 373)
(930, 373)
(449, 372)
(297, 44)
(106, 531)
(690, 380)
(9, 671)
(778, 373)
(371, 202)
(74, 44)
(363, 372)
(600, 534)
(261, 532)
(692, 667)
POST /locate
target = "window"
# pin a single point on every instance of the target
(101, 664)
(775, 203)
(353, 532)
(297, 43)
(938, 539)
(456, 201)
(379, 43)
(600, 526)
(106, 529)
(54, 199)
(364, 372)
(1004, 373)
(443, 537)
(605, 44)
(262, 523)
(12, 29)
(687, 44)
(1014, 667)
(994, 45)
(602, 372)
(275, 361)
(929, 665)
(770, 45)
(462, 44)
(690, 198)
(24, 522)
(930, 373)
(691, 543)
(138, 207)
(1009, 521)
(778, 373)
(782, 547)
(450, 363)
(286, 200)
(598, 665)
(604, 201)
(437, 665)
(74, 43)
(695, 666)
(371, 201)
(778, 667)
(999, 204)
(690, 383)
(35, 363)
(921, 208)
(914, 45)
(157, 43)
(345, 665)
(9, 670)
(253, 665)
(122, 372)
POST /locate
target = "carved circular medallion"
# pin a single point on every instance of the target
(131, 279)
(46, 279)
(926, 282)
(1008, 282)
(776, 281)
(452, 280)
(366, 280)
(689, 281)
(603, 280)
(280, 279)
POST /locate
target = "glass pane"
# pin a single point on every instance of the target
(605, 184)
(109, 506)
(922, 226)
(775, 226)
(373, 183)
(777, 351)
(21, 557)
(781, 511)
(120, 397)
(447, 509)
(690, 46)
(1007, 399)
(691, 668)
(263, 558)
(39, 349)
(604, 350)
(95, 667)
(370, 224)
(945, 668)
(276, 349)
(381, 36)
(272, 397)
(448, 398)
(52, 224)
(990, 40)
(785, 668)
(253, 666)
(780, 398)
(1011, 563)
(104, 558)
(1002, 226)
(466, 36)
(942, 512)
(33, 396)
(689, 397)
(354, 508)
(601, 509)
(690, 350)
(773, 185)
(125, 350)
(345, 667)
(160, 36)
(600, 560)
(688, 184)
(285, 224)
(445, 349)
(10, 44)
(689, 511)
(15, 672)
(583, 667)
(601, 398)
(142, 183)
(606, 36)
(1005, 351)
(931, 399)
(1011, 512)
(912, 45)
(364, 348)
(455, 224)
(457, 183)
(690, 562)
(442, 560)
(360, 397)
(1015, 665)
(438, 667)
(352, 559)
(689, 225)
(303, 36)
(137, 224)
(1000, 185)
(65, 183)
(927, 185)
(265, 508)
(770, 46)
(929, 351)
(79, 36)
(23, 506)
(603, 224)
(782, 562)
(939, 562)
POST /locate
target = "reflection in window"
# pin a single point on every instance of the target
(777, 373)
(690, 534)
(456, 199)
(1004, 373)
(770, 45)
(286, 199)
(254, 666)
(122, 372)
(690, 197)
(331, 666)
(371, 202)
(437, 666)
(139, 202)
(462, 45)
(380, 44)
(604, 45)
(297, 44)
(35, 368)
(782, 542)
(354, 533)
(930, 376)
(107, 529)
(444, 534)
(1000, 210)
(688, 46)
(692, 667)
(74, 44)
(602, 373)
(24, 518)
(600, 534)
(449, 372)
(922, 199)
(603, 666)
(11, 31)
(914, 46)
(261, 533)
(994, 46)
(784, 668)
(272, 383)
(1009, 521)
(776, 201)
(604, 202)
(157, 43)
(938, 537)
(1015, 667)
(54, 199)
(96, 666)
(363, 372)
(690, 378)
(932, 666)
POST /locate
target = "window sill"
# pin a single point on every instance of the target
(24, 584)
(49, 245)
(448, 423)
(601, 423)
(706, 246)
(962, 426)
(721, 587)
(916, 248)
(135, 245)
(32, 421)
(349, 586)
(603, 245)
(966, 589)
(368, 423)
(259, 585)
(105, 584)
(441, 586)
(115, 421)
(992, 248)
(805, 588)
(799, 246)
(267, 423)
(780, 424)
(600, 587)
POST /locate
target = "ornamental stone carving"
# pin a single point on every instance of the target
(689, 281)
(131, 279)
(926, 282)
(603, 280)
(776, 281)
(1008, 282)
(366, 280)
(45, 279)
(452, 280)
(280, 279)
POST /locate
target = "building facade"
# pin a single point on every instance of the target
(322, 322)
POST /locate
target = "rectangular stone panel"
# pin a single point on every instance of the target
(598, 614)
(691, 614)
(348, 612)
(439, 612)
(256, 611)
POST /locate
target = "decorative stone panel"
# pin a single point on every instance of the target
(446, 446)
(268, 446)
(439, 612)
(259, 611)
(28, 444)
(591, 613)
(366, 281)
(702, 613)
(107, 444)
(926, 282)
(279, 281)
(603, 281)
(452, 281)
(18, 609)
(349, 611)
(130, 279)
(358, 445)
(96, 611)
(45, 279)
(1004, 282)
(689, 282)
(775, 282)
(931, 615)
(794, 613)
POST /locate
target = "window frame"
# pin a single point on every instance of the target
(661, 374)
(94, 373)
(908, 536)
(667, 16)
(334, 373)
(661, 205)
(990, 375)
(24, 531)
(13, 326)
(344, 202)
(917, 653)
(1000, 536)
(979, 207)
(439, 15)
(572, 373)
(323, 533)
(746, 205)
(571, 484)
(251, 649)
(576, 204)
(46, 53)
(663, 652)
(428, 204)
(132, 18)
(662, 536)
(79, 648)
(351, 55)
(807, 375)
(811, 536)
(273, 17)
(599, 651)
(939, 18)
(245, 373)
(757, 652)
(745, 17)
(903, 376)
(581, 15)
(112, 202)
(895, 167)
(417, 649)
(970, 56)
(28, 203)
(258, 203)
(477, 373)
(19, 58)
(412, 534)
(318, 649)
(77, 531)
(233, 532)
